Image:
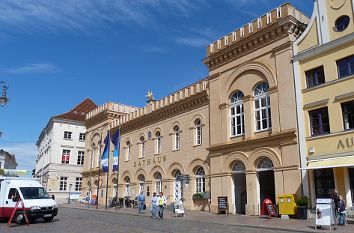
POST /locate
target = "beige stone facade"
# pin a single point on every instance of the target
(233, 134)
(252, 77)
(97, 125)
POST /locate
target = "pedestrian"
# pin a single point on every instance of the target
(341, 210)
(335, 199)
(153, 205)
(161, 202)
(141, 202)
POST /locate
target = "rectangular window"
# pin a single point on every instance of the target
(63, 183)
(345, 67)
(319, 121)
(177, 140)
(78, 184)
(67, 135)
(65, 157)
(198, 135)
(315, 77)
(82, 137)
(200, 184)
(80, 158)
(348, 114)
(127, 152)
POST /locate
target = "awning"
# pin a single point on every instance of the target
(347, 161)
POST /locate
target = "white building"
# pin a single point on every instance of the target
(7, 160)
(61, 152)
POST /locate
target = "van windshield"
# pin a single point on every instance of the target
(34, 193)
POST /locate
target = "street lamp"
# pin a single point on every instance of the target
(70, 185)
(3, 98)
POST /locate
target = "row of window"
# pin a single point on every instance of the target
(68, 136)
(65, 157)
(63, 186)
(319, 119)
(316, 76)
(262, 111)
(158, 140)
(199, 179)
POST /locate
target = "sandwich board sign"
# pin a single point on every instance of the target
(325, 212)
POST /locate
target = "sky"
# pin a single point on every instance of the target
(54, 54)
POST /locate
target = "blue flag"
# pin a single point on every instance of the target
(115, 141)
(105, 155)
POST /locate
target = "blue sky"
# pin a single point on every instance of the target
(54, 54)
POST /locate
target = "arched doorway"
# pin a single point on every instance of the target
(240, 193)
(177, 186)
(266, 182)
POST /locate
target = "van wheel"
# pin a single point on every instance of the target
(20, 219)
(48, 219)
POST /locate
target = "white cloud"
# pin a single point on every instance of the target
(32, 68)
(196, 37)
(192, 41)
(25, 154)
(78, 15)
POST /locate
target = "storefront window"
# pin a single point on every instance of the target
(324, 182)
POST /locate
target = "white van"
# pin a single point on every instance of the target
(38, 204)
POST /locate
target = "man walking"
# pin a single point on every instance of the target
(141, 201)
(161, 201)
(153, 205)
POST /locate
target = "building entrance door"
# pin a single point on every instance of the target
(240, 193)
(266, 181)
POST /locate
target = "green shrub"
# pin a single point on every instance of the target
(303, 201)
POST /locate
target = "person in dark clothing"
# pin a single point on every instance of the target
(341, 210)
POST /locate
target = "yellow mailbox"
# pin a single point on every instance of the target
(287, 204)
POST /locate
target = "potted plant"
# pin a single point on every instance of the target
(302, 207)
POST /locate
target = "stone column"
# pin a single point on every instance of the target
(248, 106)
(252, 206)
(274, 109)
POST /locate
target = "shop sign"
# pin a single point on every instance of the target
(345, 143)
(153, 161)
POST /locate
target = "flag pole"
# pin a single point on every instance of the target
(109, 148)
(118, 165)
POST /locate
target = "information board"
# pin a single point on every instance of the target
(223, 206)
(325, 212)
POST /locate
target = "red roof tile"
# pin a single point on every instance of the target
(79, 112)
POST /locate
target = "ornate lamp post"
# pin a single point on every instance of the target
(3, 98)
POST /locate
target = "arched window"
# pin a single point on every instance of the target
(265, 164)
(158, 182)
(158, 142)
(200, 180)
(177, 173)
(141, 179)
(262, 107)
(177, 138)
(127, 186)
(142, 147)
(127, 151)
(237, 114)
(198, 132)
(238, 167)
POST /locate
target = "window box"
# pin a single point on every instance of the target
(201, 196)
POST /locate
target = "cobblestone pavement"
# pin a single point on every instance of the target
(75, 220)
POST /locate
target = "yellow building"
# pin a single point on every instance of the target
(324, 71)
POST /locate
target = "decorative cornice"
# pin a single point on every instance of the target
(253, 143)
(281, 22)
(169, 111)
